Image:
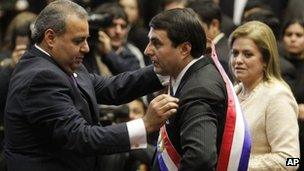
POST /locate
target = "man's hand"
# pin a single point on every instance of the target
(105, 46)
(159, 110)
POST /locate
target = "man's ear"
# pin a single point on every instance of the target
(185, 49)
(49, 37)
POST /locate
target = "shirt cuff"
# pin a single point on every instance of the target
(137, 134)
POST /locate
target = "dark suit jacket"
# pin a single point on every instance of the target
(5, 75)
(50, 126)
(227, 25)
(222, 51)
(197, 128)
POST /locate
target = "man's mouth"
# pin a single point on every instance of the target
(79, 59)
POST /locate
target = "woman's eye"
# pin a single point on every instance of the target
(235, 53)
(248, 54)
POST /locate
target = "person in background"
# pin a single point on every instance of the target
(136, 159)
(137, 109)
(138, 33)
(21, 19)
(293, 43)
(226, 25)
(267, 101)
(20, 40)
(172, 4)
(113, 49)
(255, 6)
(210, 15)
(51, 115)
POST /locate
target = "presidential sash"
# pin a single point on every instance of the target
(236, 143)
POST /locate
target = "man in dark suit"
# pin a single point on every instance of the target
(176, 47)
(51, 116)
(210, 15)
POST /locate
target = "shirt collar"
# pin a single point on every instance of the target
(39, 48)
(218, 38)
(175, 82)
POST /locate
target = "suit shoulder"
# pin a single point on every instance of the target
(204, 83)
(207, 77)
(37, 70)
(274, 88)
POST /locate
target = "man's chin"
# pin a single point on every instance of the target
(116, 45)
(160, 71)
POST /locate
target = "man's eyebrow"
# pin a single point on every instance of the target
(79, 38)
(154, 39)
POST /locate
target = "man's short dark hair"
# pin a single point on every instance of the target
(54, 17)
(206, 9)
(182, 25)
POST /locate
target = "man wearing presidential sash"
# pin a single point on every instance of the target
(195, 137)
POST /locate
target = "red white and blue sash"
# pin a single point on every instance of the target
(236, 142)
(168, 157)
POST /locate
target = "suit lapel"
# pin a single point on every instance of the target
(83, 84)
(196, 66)
(80, 104)
(88, 90)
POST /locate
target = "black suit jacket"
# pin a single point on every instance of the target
(222, 51)
(227, 25)
(50, 126)
(5, 75)
(197, 128)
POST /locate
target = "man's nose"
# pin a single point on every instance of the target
(293, 37)
(118, 29)
(148, 50)
(85, 47)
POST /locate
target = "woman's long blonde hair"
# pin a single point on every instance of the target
(265, 40)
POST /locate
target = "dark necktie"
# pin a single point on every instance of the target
(170, 88)
(84, 98)
(79, 89)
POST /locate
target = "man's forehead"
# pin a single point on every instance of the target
(157, 33)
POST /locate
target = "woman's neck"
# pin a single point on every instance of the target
(248, 87)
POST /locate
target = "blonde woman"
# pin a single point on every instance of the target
(268, 104)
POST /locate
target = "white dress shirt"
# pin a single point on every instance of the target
(175, 82)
